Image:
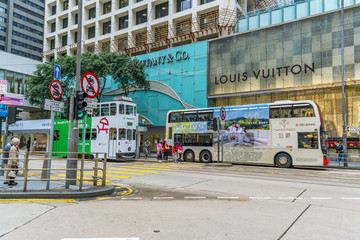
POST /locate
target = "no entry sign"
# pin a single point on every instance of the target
(55, 90)
(222, 113)
(90, 84)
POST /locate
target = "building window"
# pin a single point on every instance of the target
(182, 5)
(76, 18)
(209, 20)
(53, 27)
(64, 40)
(75, 37)
(122, 43)
(123, 3)
(107, 27)
(51, 58)
(92, 13)
(141, 16)
(65, 22)
(183, 27)
(52, 44)
(161, 32)
(205, 1)
(123, 22)
(65, 5)
(91, 32)
(107, 7)
(53, 10)
(162, 10)
(140, 38)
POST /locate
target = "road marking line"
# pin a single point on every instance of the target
(350, 198)
(158, 198)
(322, 198)
(130, 173)
(132, 198)
(107, 175)
(194, 197)
(260, 198)
(133, 170)
(37, 200)
(287, 198)
(78, 178)
(151, 168)
(228, 197)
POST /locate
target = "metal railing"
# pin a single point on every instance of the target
(100, 164)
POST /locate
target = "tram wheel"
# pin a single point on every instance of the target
(189, 156)
(205, 157)
(283, 160)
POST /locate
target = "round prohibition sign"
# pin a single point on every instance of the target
(222, 113)
(90, 84)
(55, 90)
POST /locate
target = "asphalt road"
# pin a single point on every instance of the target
(193, 201)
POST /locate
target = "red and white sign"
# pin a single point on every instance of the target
(90, 84)
(222, 113)
(3, 86)
(56, 90)
(11, 101)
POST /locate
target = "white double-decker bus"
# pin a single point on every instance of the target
(114, 128)
(283, 133)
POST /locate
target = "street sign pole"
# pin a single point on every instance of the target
(50, 149)
(84, 134)
(218, 145)
(71, 114)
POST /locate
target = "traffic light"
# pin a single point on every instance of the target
(67, 109)
(13, 114)
(79, 104)
(215, 124)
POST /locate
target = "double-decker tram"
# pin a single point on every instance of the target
(111, 129)
(283, 133)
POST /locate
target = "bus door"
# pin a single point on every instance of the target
(112, 142)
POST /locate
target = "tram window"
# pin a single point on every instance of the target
(190, 139)
(56, 135)
(205, 116)
(308, 140)
(112, 109)
(121, 134)
(121, 108)
(129, 110)
(205, 139)
(93, 134)
(284, 111)
(303, 110)
(80, 134)
(190, 116)
(113, 133)
(134, 134)
(135, 111)
(128, 134)
(104, 110)
(87, 134)
(178, 138)
(97, 111)
(175, 117)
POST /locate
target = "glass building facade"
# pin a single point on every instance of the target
(298, 60)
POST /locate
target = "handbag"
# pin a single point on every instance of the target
(179, 151)
(12, 173)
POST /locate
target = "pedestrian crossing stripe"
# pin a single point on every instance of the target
(151, 168)
(133, 170)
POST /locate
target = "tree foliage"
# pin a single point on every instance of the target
(128, 73)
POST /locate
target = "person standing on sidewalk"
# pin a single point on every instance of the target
(147, 148)
(175, 153)
(340, 151)
(13, 160)
(166, 151)
(159, 149)
(4, 163)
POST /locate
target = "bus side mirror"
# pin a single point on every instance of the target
(215, 124)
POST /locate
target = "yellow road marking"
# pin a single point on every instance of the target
(124, 193)
(131, 173)
(151, 168)
(107, 175)
(63, 175)
(126, 169)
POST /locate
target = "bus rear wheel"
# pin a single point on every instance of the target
(205, 157)
(189, 156)
(283, 160)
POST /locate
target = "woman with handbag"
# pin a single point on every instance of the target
(13, 160)
(166, 151)
(180, 151)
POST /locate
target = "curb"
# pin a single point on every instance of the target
(89, 193)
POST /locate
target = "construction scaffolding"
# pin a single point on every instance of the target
(260, 4)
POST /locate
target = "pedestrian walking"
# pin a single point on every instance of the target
(13, 160)
(180, 151)
(175, 153)
(166, 150)
(147, 148)
(4, 163)
(159, 150)
(28, 144)
(340, 151)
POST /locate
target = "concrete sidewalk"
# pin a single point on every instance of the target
(37, 189)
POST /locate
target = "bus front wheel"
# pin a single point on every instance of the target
(283, 160)
(205, 157)
(189, 156)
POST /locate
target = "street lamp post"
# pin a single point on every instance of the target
(343, 87)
